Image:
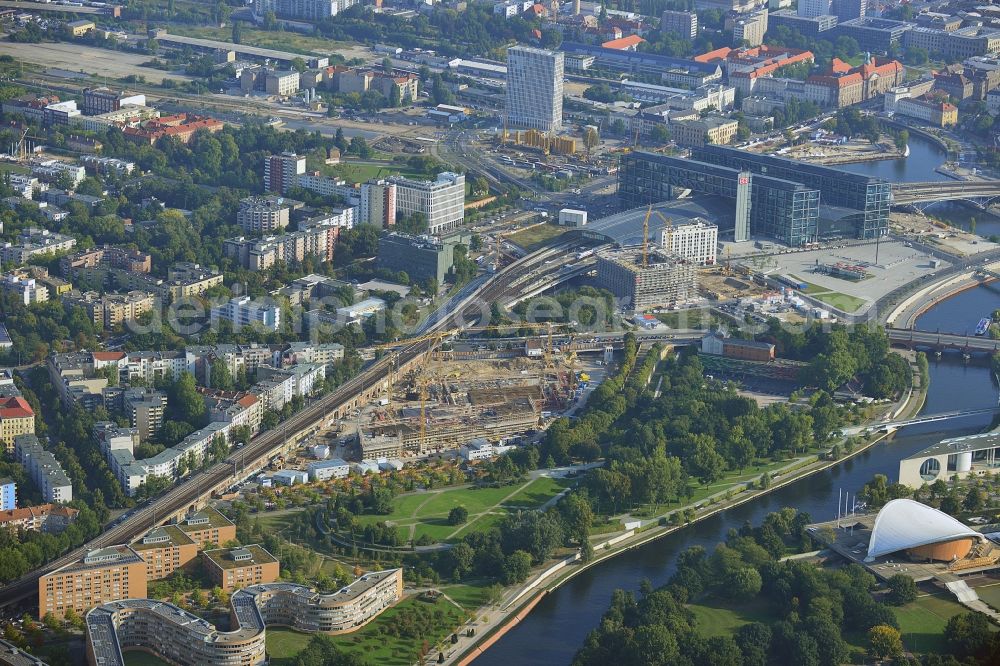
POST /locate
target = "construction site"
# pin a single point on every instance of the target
(449, 402)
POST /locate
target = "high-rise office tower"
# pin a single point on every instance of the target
(534, 88)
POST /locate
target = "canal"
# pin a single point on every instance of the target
(558, 625)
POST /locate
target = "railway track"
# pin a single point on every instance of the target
(194, 489)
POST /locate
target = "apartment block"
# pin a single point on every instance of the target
(282, 83)
(49, 518)
(347, 609)
(236, 568)
(25, 289)
(258, 254)
(683, 24)
(243, 311)
(16, 418)
(106, 257)
(100, 576)
(110, 311)
(8, 494)
(265, 214)
(34, 242)
(165, 550)
(748, 28)
(378, 203)
(43, 468)
(281, 172)
(932, 111)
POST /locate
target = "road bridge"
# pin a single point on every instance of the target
(892, 426)
(982, 193)
(195, 491)
(939, 342)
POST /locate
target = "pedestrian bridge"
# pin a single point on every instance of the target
(892, 426)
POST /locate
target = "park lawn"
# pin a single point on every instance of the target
(140, 658)
(535, 237)
(276, 523)
(922, 622)
(721, 617)
(283, 644)
(810, 287)
(468, 595)
(540, 491)
(476, 500)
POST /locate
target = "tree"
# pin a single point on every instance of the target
(744, 583)
(591, 139)
(237, 32)
(884, 642)
(660, 134)
(299, 65)
(967, 634)
(458, 515)
(221, 377)
(185, 403)
(902, 590)
(516, 567)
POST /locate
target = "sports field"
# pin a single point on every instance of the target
(426, 513)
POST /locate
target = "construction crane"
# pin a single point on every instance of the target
(17, 149)
(669, 228)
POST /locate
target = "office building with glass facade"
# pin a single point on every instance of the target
(782, 209)
(864, 194)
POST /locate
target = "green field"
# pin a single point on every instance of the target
(13, 168)
(426, 513)
(719, 617)
(535, 237)
(844, 302)
(138, 658)
(922, 622)
(375, 641)
(281, 41)
(841, 301)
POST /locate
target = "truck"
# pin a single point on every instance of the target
(382, 402)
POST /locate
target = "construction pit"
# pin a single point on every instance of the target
(448, 403)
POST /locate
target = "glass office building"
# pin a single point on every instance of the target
(865, 194)
(785, 210)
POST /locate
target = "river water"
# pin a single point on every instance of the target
(558, 625)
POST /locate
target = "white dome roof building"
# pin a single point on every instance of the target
(922, 531)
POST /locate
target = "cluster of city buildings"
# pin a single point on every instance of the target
(380, 201)
(83, 377)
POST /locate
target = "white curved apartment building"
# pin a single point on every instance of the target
(188, 640)
(345, 610)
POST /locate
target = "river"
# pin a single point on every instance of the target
(558, 625)
(920, 166)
